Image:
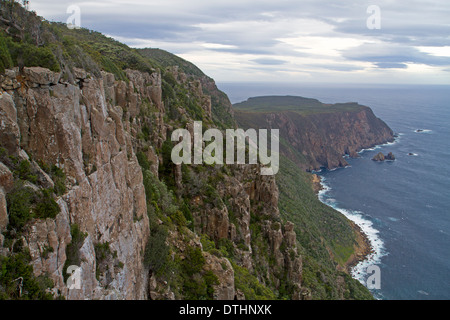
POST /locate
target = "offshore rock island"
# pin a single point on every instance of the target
(86, 179)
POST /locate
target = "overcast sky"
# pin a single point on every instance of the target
(282, 40)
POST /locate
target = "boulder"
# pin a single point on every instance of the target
(3, 211)
(390, 156)
(42, 76)
(379, 157)
(9, 129)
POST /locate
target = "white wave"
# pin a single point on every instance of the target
(378, 250)
(423, 131)
(379, 146)
(423, 292)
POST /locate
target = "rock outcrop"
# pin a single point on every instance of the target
(322, 138)
(81, 131)
(381, 157)
(91, 130)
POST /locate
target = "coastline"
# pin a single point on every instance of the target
(363, 247)
(369, 248)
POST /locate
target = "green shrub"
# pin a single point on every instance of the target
(156, 251)
(32, 56)
(73, 249)
(59, 179)
(47, 206)
(5, 57)
(252, 288)
(24, 171)
(102, 254)
(16, 269)
(20, 202)
(194, 261)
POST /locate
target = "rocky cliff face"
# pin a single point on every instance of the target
(323, 138)
(80, 129)
(91, 129)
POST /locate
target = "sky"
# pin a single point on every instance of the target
(314, 41)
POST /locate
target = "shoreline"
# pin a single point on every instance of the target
(364, 247)
(369, 248)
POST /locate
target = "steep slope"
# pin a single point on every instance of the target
(86, 179)
(314, 135)
(321, 134)
(222, 111)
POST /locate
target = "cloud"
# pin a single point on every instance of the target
(391, 65)
(269, 61)
(255, 37)
(387, 55)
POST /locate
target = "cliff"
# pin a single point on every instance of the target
(314, 135)
(91, 131)
(86, 180)
(321, 134)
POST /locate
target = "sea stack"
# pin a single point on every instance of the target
(390, 157)
(381, 157)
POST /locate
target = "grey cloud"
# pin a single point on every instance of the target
(393, 56)
(269, 61)
(391, 65)
(404, 25)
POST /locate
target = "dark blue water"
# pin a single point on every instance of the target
(404, 205)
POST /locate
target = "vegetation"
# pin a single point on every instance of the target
(300, 105)
(73, 249)
(325, 236)
(171, 212)
(17, 281)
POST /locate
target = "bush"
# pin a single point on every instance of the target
(197, 284)
(24, 172)
(156, 251)
(16, 269)
(5, 57)
(47, 206)
(73, 249)
(194, 261)
(32, 56)
(59, 179)
(19, 204)
(102, 253)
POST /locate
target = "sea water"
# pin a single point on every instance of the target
(404, 205)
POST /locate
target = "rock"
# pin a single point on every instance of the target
(379, 157)
(239, 295)
(79, 74)
(6, 178)
(323, 138)
(42, 76)
(222, 268)
(3, 211)
(9, 129)
(390, 157)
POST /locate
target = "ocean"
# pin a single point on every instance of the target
(403, 205)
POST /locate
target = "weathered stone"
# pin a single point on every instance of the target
(390, 157)
(6, 177)
(9, 129)
(379, 157)
(222, 268)
(3, 211)
(42, 76)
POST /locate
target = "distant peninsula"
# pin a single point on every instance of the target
(313, 134)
